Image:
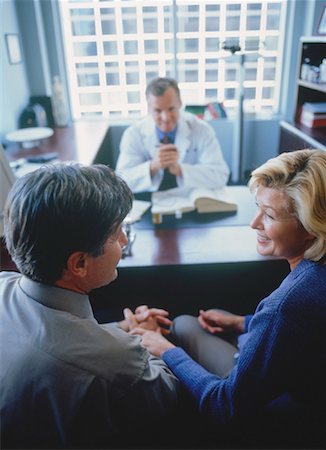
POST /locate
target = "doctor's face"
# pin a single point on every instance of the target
(165, 109)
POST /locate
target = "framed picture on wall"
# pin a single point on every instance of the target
(13, 48)
(321, 27)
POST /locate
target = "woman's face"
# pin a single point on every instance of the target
(279, 233)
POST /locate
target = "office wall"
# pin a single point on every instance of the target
(256, 147)
(14, 88)
(31, 24)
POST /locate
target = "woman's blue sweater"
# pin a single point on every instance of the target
(282, 355)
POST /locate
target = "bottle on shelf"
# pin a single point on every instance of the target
(59, 105)
(305, 67)
(313, 74)
(322, 71)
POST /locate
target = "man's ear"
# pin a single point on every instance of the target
(77, 264)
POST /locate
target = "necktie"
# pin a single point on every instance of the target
(169, 180)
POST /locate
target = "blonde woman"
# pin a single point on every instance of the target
(267, 371)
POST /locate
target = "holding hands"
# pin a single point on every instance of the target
(145, 318)
(153, 323)
(155, 343)
(215, 321)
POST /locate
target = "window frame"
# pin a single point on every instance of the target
(231, 59)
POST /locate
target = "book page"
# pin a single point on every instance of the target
(213, 200)
(172, 201)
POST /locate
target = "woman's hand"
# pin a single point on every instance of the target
(215, 321)
(154, 319)
(155, 343)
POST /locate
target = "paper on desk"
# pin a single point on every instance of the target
(27, 167)
(139, 207)
(172, 200)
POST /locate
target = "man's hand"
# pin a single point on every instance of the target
(155, 343)
(167, 155)
(154, 319)
(167, 158)
(217, 322)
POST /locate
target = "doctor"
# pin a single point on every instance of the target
(170, 147)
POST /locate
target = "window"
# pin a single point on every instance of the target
(115, 47)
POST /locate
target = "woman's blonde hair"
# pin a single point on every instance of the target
(301, 175)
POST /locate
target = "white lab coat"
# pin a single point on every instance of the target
(200, 155)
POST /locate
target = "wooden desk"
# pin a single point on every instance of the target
(197, 238)
(80, 142)
(193, 246)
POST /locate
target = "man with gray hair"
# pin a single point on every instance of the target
(66, 380)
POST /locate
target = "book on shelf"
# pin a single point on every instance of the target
(198, 110)
(313, 115)
(209, 111)
(180, 200)
(316, 108)
(311, 121)
(215, 111)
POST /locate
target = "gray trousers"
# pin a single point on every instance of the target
(216, 353)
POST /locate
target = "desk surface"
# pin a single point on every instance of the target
(193, 246)
(78, 142)
(219, 239)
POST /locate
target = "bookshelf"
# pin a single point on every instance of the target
(309, 88)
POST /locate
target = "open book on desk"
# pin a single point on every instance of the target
(179, 200)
